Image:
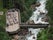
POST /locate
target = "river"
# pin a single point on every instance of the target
(37, 16)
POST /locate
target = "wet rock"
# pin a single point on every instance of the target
(33, 37)
(13, 39)
(1, 12)
(33, 7)
(30, 22)
(16, 37)
(37, 4)
(45, 19)
(23, 32)
(21, 38)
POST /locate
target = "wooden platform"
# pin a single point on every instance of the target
(14, 26)
(12, 20)
(34, 25)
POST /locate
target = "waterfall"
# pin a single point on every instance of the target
(37, 13)
(37, 16)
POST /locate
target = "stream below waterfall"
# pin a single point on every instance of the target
(37, 17)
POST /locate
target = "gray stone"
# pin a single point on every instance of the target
(1, 12)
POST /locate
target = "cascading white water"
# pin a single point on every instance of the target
(36, 15)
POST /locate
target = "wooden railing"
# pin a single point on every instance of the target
(34, 25)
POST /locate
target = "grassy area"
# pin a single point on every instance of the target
(3, 18)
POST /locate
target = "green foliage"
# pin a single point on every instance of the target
(3, 34)
(49, 7)
(3, 18)
(46, 34)
(50, 35)
(43, 35)
(26, 14)
(1, 6)
(25, 7)
(5, 3)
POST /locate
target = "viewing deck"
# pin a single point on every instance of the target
(34, 25)
(13, 22)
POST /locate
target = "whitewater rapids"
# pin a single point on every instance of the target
(36, 15)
